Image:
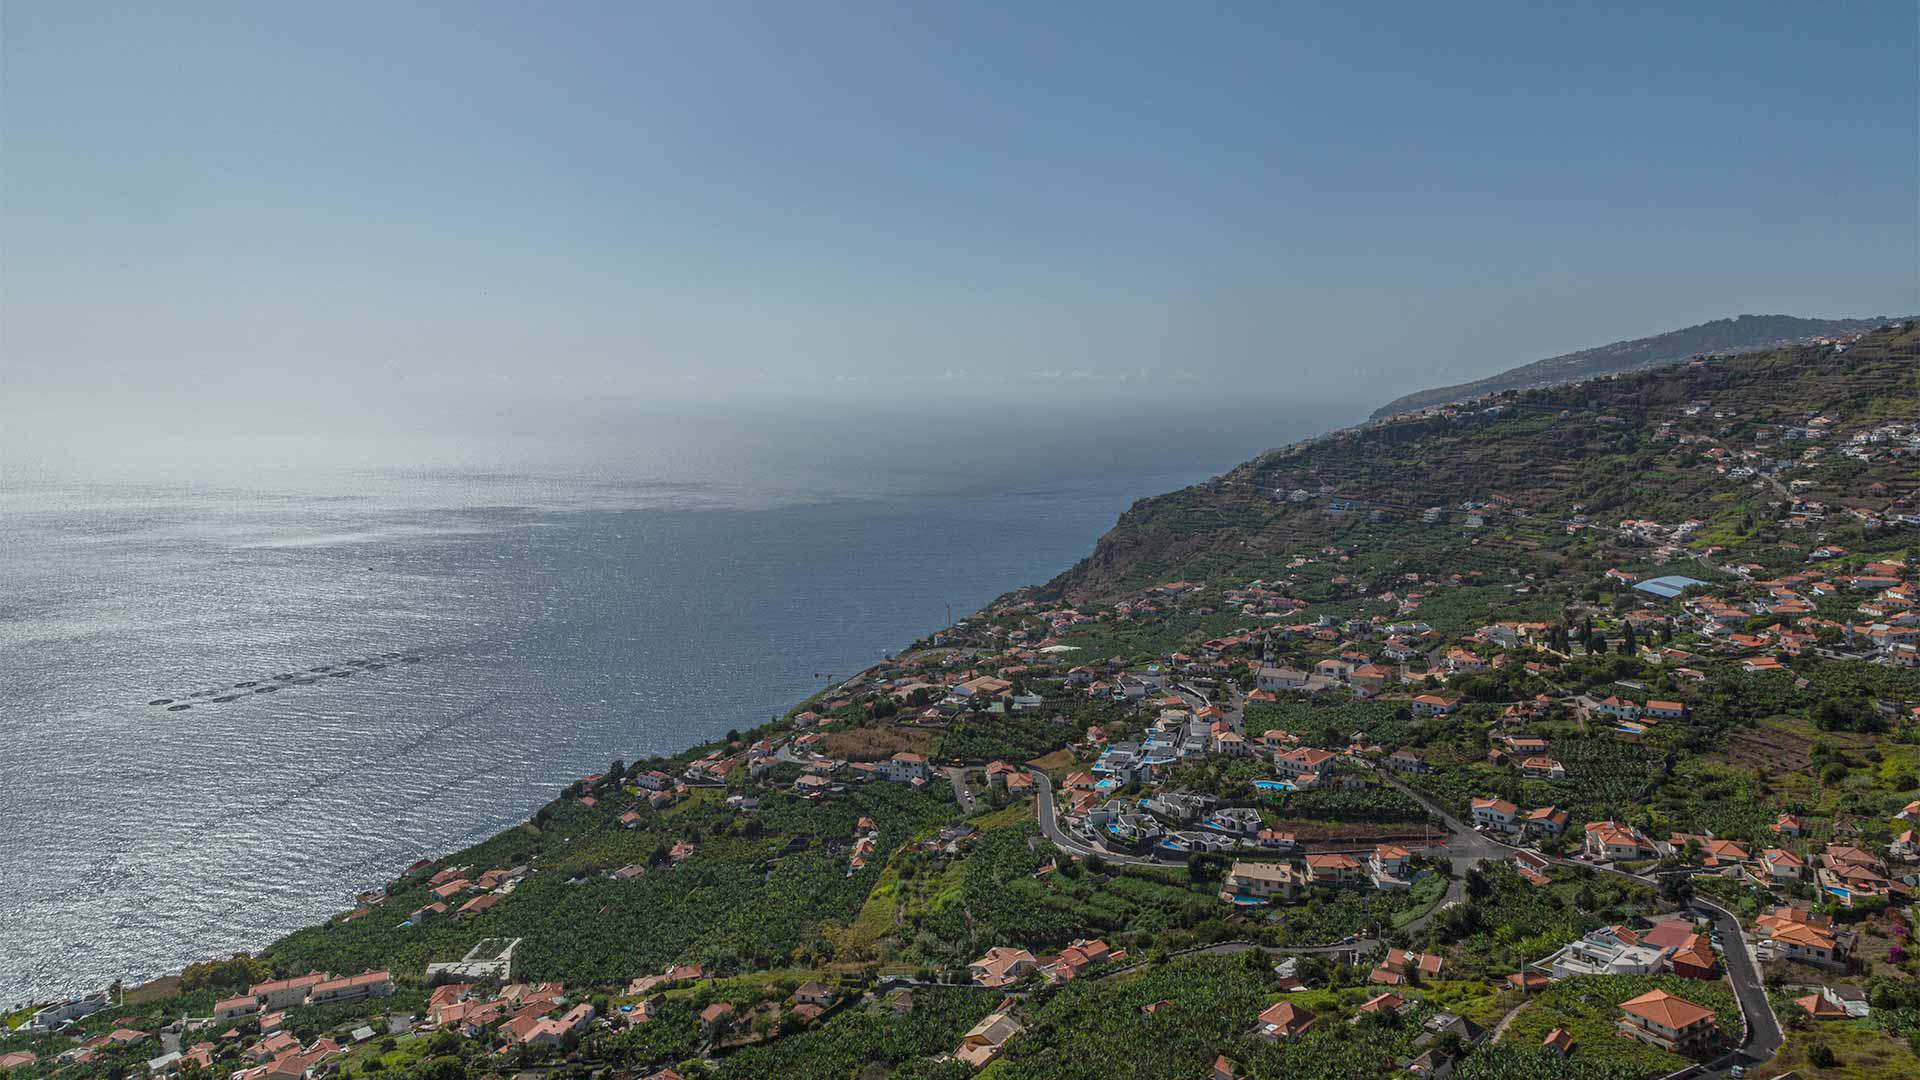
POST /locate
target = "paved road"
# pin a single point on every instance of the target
(1763, 1037)
(1466, 848)
(957, 776)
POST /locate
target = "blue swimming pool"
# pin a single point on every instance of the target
(1273, 785)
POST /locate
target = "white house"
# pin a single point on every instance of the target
(1498, 815)
(904, 767)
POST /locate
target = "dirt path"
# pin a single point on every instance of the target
(1500, 1029)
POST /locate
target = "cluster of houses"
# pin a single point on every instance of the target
(518, 1014)
(1672, 946)
(1286, 1020)
(450, 885)
(821, 776)
(316, 988)
(1003, 966)
(254, 1021)
(1498, 815)
(1249, 883)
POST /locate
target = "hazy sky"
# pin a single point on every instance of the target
(297, 216)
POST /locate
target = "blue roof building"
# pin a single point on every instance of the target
(1666, 588)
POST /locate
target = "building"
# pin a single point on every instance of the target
(1390, 860)
(1606, 951)
(1669, 1022)
(352, 988)
(813, 993)
(1255, 882)
(904, 767)
(1783, 866)
(1790, 933)
(1284, 1020)
(235, 1007)
(986, 1039)
(1694, 959)
(1618, 708)
(1498, 815)
(1542, 767)
(1398, 964)
(286, 993)
(1271, 679)
(1334, 869)
(55, 1015)
(1407, 761)
(1611, 841)
(1545, 821)
(1076, 958)
(1301, 762)
(1001, 966)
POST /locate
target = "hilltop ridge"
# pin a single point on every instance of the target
(1542, 450)
(1744, 333)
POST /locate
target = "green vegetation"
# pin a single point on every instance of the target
(758, 891)
(1307, 553)
(866, 1037)
(1588, 1007)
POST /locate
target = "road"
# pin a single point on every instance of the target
(1466, 848)
(1065, 841)
(957, 776)
(1763, 1037)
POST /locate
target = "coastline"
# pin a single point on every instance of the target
(38, 985)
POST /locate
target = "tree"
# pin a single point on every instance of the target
(443, 1068)
(1676, 887)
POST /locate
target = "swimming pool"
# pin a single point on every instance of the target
(1273, 785)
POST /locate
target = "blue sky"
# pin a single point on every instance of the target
(503, 204)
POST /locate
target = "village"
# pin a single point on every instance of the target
(1685, 758)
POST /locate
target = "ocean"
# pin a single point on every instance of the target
(383, 665)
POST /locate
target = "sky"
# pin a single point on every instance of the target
(227, 223)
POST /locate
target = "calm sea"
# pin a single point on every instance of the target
(559, 620)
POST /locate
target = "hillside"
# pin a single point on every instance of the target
(1533, 455)
(1204, 798)
(1747, 333)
